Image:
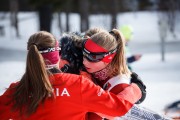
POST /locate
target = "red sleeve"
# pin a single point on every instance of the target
(117, 89)
(120, 87)
(95, 99)
(132, 93)
(85, 74)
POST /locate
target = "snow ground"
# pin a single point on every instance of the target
(161, 78)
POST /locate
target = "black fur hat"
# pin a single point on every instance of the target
(71, 50)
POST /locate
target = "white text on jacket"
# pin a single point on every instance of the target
(63, 92)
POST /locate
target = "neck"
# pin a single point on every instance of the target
(102, 74)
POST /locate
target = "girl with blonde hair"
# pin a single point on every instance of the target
(104, 59)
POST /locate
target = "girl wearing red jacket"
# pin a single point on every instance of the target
(104, 58)
(43, 93)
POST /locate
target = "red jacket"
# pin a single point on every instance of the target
(75, 96)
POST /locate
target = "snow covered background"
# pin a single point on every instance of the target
(161, 78)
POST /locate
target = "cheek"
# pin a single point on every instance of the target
(94, 67)
(100, 66)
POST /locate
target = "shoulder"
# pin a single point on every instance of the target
(73, 83)
(119, 79)
(118, 88)
(11, 87)
(68, 78)
(74, 79)
(117, 83)
(5, 97)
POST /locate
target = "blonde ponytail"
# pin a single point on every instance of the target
(119, 61)
(34, 87)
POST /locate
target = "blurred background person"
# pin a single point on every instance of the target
(127, 32)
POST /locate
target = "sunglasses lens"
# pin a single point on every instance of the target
(93, 57)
